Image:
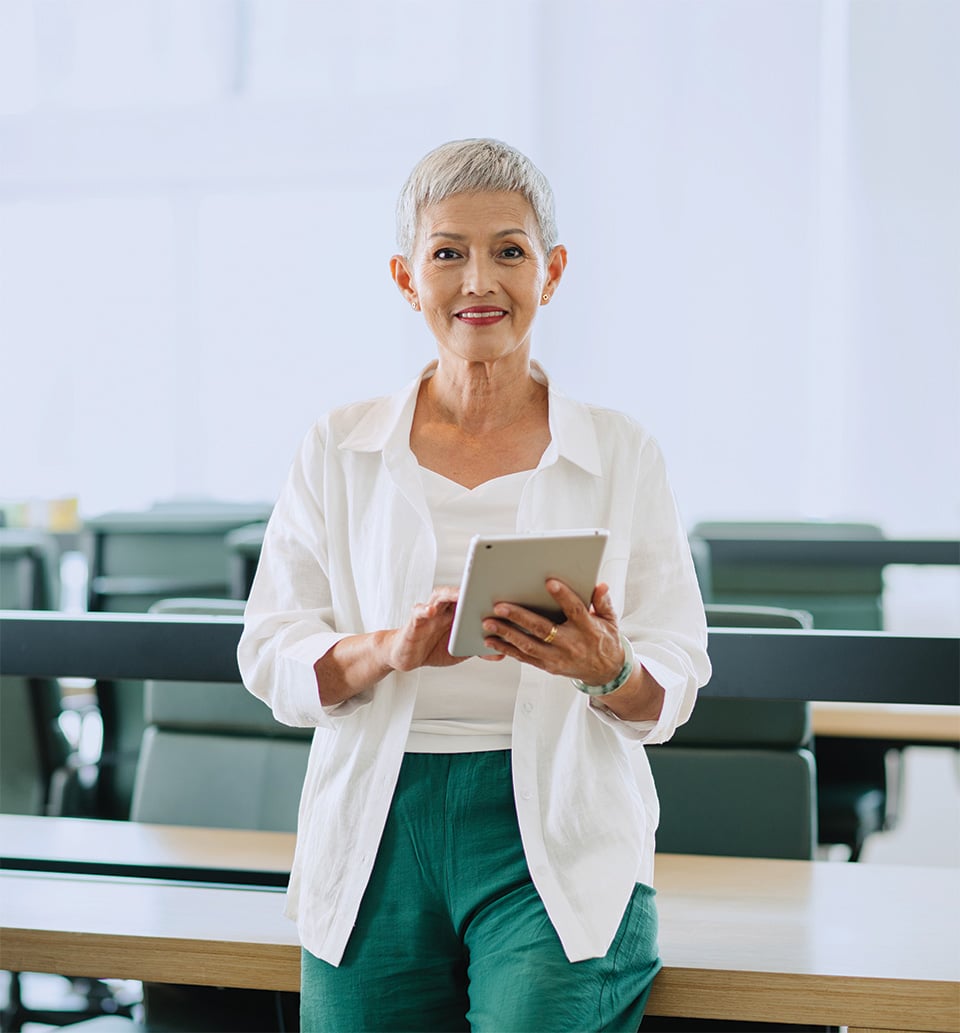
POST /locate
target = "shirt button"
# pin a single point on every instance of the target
(525, 794)
(527, 708)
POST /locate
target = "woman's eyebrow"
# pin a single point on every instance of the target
(459, 236)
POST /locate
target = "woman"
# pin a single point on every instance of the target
(475, 844)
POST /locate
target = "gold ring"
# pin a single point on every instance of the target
(551, 636)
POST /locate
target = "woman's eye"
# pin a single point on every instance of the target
(445, 254)
(512, 251)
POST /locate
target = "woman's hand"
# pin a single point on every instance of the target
(586, 646)
(356, 663)
(422, 641)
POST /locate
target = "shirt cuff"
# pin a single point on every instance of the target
(648, 732)
(299, 661)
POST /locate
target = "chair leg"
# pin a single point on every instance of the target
(12, 1017)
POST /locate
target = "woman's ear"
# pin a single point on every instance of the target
(403, 278)
(556, 263)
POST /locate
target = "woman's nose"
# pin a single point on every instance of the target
(479, 275)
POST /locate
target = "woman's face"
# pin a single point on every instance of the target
(478, 272)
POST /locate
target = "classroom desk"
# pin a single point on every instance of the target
(902, 723)
(90, 846)
(873, 947)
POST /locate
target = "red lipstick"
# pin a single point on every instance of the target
(481, 315)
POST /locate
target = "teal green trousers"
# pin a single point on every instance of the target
(452, 934)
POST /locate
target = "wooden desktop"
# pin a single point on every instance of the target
(871, 947)
(896, 722)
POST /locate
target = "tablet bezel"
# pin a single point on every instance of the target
(514, 568)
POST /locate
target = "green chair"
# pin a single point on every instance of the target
(29, 570)
(135, 559)
(837, 596)
(213, 755)
(243, 546)
(858, 780)
(738, 778)
(219, 737)
(37, 762)
(170, 550)
(700, 553)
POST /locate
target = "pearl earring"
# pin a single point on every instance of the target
(416, 307)
(546, 297)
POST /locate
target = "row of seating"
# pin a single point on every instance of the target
(858, 780)
(136, 558)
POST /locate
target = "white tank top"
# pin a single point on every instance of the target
(466, 708)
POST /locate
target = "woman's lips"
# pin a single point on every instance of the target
(481, 316)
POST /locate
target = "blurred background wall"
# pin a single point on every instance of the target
(761, 202)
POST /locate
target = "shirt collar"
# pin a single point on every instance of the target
(385, 426)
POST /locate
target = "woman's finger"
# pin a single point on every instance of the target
(445, 594)
(602, 603)
(568, 600)
(511, 633)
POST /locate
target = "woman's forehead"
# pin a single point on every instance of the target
(492, 211)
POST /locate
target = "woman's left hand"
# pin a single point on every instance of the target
(586, 645)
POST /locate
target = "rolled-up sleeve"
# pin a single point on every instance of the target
(663, 615)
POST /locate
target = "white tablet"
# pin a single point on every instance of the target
(512, 568)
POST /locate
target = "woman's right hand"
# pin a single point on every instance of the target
(356, 663)
(422, 641)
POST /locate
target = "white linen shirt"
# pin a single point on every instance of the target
(350, 548)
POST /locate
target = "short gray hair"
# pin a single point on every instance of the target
(468, 166)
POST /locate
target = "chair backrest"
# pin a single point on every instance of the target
(700, 553)
(811, 530)
(138, 558)
(744, 615)
(212, 754)
(33, 747)
(243, 546)
(838, 596)
(738, 777)
(736, 802)
(775, 724)
(29, 574)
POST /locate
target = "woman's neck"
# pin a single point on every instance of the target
(482, 398)
(482, 424)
